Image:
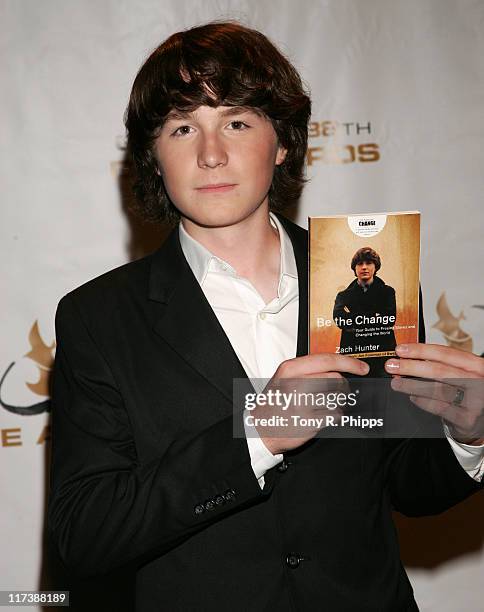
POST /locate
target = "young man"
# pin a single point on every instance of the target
(366, 295)
(146, 471)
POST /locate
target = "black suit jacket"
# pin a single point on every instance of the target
(353, 301)
(146, 471)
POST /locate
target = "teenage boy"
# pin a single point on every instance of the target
(367, 295)
(146, 470)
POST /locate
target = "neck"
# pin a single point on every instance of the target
(251, 247)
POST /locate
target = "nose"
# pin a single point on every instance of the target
(212, 151)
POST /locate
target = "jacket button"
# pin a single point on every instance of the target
(293, 560)
(283, 466)
(229, 495)
(199, 509)
(209, 505)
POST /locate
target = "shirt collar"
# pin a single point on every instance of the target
(363, 285)
(288, 260)
(197, 256)
(201, 259)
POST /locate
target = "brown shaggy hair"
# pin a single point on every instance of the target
(366, 254)
(216, 64)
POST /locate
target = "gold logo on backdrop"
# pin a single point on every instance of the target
(449, 325)
(43, 356)
(332, 146)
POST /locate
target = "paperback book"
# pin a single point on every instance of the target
(363, 283)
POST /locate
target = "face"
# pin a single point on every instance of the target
(365, 271)
(217, 163)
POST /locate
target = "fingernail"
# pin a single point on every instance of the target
(365, 368)
(392, 365)
(402, 348)
(396, 382)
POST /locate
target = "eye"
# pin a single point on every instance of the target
(238, 125)
(182, 130)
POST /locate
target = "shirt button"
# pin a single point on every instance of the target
(293, 560)
(282, 467)
(262, 315)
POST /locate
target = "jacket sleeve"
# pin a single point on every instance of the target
(424, 477)
(389, 307)
(107, 509)
(339, 312)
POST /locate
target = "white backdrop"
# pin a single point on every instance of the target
(398, 93)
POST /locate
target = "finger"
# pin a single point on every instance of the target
(431, 389)
(333, 381)
(335, 375)
(442, 409)
(468, 423)
(444, 354)
(321, 363)
(314, 383)
(425, 369)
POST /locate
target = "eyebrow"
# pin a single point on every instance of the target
(176, 114)
(239, 110)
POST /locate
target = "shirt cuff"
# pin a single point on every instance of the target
(470, 457)
(261, 458)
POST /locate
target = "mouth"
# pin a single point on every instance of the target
(216, 188)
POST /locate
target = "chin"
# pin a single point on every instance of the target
(222, 218)
(214, 221)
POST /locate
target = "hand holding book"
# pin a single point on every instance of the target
(292, 426)
(444, 381)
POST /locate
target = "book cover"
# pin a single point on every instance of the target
(363, 283)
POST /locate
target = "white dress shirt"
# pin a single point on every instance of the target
(263, 335)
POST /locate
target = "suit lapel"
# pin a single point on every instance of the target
(299, 239)
(187, 322)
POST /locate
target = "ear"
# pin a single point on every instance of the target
(281, 155)
(159, 170)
